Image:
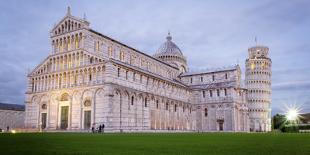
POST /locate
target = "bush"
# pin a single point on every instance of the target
(295, 127)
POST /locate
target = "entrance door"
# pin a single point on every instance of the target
(221, 124)
(64, 117)
(43, 120)
(87, 119)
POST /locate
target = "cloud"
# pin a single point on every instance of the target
(211, 34)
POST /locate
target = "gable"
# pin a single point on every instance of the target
(69, 23)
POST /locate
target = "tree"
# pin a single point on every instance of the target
(278, 121)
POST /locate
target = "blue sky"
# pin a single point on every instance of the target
(210, 34)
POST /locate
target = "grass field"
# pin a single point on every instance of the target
(152, 143)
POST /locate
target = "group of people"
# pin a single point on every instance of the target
(100, 129)
(7, 129)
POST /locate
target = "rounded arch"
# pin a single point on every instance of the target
(64, 97)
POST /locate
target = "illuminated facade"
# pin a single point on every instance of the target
(91, 79)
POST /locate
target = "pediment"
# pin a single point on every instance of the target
(69, 23)
(43, 67)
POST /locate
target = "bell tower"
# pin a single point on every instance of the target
(258, 83)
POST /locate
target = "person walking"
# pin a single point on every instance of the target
(100, 128)
(93, 128)
(103, 128)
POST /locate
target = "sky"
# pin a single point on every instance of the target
(211, 34)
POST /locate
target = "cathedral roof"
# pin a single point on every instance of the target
(169, 48)
(211, 70)
(228, 84)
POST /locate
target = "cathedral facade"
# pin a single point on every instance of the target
(90, 79)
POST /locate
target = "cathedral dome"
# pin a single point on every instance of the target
(170, 53)
(168, 48)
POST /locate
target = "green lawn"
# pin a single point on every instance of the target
(151, 143)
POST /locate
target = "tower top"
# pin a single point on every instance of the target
(258, 52)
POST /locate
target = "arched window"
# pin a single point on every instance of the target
(206, 112)
(118, 72)
(76, 42)
(110, 51)
(132, 100)
(122, 56)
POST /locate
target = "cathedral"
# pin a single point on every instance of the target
(91, 79)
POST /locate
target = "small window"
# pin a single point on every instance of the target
(203, 94)
(210, 91)
(225, 91)
(226, 76)
(167, 106)
(206, 112)
(201, 79)
(87, 103)
(90, 77)
(132, 100)
(126, 75)
(44, 106)
(157, 106)
(218, 92)
(134, 76)
(213, 77)
(191, 80)
(175, 108)
(118, 72)
(145, 102)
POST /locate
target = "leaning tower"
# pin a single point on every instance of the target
(258, 83)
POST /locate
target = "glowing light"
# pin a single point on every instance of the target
(292, 115)
(252, 66)
(13, 131)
